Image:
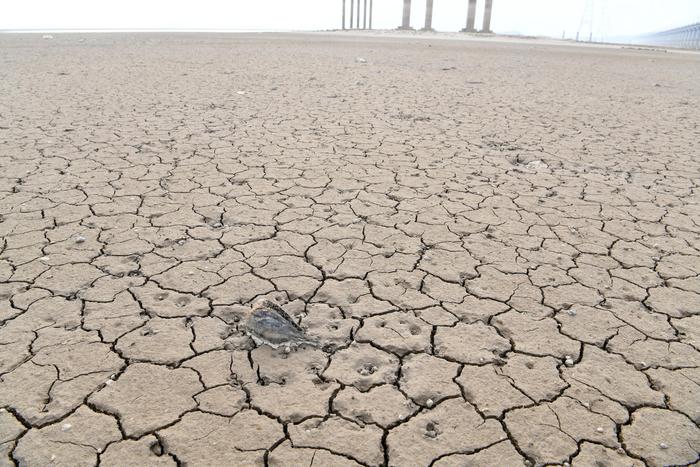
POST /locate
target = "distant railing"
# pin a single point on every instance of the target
(686, 37)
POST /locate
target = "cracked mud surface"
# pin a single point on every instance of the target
(497, 244)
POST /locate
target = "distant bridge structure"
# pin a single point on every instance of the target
(685, 37)
(406, 17)
(471, 16)
(355, 14)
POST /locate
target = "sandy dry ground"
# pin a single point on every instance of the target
(498, 244)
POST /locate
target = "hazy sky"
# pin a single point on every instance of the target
(610, 18)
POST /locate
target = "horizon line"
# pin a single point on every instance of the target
(89, 30)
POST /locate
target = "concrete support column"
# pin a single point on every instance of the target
(343, 14)
(406, 20)
(364, 15)
(370, 14)
(428, 15)
(357, 24)
(352, 10)
(487, 16)
(471, 17)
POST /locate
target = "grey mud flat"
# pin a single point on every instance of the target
(499, 242)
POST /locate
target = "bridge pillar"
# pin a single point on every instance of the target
(428, 16)
(487, 16)
(357, 23)
(406, 20)
(364, 15)
(471, 16)
(352, 11)
(370, 14)
(343, 14)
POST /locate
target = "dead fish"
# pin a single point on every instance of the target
(269, 324)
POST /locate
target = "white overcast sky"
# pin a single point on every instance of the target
(610, 18)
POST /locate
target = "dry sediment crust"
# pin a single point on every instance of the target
(498, 242)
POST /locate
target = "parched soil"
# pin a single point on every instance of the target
(497, 242)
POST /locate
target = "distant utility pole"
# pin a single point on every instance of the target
(603, 24)
(586, 21)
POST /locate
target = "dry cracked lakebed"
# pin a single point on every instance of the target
(497, 242)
